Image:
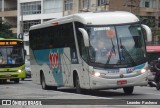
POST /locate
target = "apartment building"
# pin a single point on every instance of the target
(8, 13)
(145, 9)
(31, 12)
(22, 14)
(142, 8)
(77, 6)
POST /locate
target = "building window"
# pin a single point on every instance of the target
(28, 24)
(86, 4)
(51, 6)
(101, 2)
(68, 5)
(31, 8)
(148, 3)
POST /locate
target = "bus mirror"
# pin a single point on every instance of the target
(85, 36)
(148, 32)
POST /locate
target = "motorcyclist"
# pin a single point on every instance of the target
(157, 75)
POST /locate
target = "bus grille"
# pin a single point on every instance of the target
(8, 71)
(8, 76)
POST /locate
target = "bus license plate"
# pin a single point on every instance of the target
(121, 82)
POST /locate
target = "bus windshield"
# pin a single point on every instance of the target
(117, 45)
(10, 55)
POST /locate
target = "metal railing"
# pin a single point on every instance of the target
(10, 9)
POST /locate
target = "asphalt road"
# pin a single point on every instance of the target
(28, 90)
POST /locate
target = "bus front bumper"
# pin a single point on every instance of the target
(12, 75)
(104, 83)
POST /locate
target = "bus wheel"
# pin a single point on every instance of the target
(158, 86)
(16, 80)
(3, 81)
(128, 90)
(43, 83)
(77, 85)
(53, 87)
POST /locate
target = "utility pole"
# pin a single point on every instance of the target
(21, 24)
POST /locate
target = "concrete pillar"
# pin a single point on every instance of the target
(2, 5)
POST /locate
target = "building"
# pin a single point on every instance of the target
(22, 14)
(147, 10)
(31, 12)
(77, 6)
(142, 8)
(8, 13)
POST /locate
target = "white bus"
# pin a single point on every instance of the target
(92, 51)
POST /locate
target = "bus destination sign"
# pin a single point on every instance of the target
(8, 43)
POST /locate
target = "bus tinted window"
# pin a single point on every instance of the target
(53, 37)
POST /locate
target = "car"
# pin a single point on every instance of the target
(28, 72)
(28, 69)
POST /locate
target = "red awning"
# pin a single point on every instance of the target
(153, 48)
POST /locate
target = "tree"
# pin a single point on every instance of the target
(5, 31)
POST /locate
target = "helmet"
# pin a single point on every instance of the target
(158, 59)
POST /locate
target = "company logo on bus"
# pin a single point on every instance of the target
(130, 69)
(54, 61)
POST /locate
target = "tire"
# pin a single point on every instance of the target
(53, 87)
(77, 85)
(44, 86)
(128, 90)
(158, 86)
(2, 81)
(16, 80)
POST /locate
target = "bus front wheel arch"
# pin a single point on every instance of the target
(42, 81)
(76, 82)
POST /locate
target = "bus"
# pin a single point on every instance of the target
(90, 51)
(12, 60)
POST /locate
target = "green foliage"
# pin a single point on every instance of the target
(5, 31)
(147, 20)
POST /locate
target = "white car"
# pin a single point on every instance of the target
(28, 69)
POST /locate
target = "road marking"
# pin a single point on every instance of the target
(152, 94)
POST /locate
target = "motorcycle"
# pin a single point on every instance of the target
(153, 74)
(158, 85)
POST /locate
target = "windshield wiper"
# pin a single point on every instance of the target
(123, 47)
(113, 50)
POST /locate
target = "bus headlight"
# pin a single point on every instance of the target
(19, 70)
(143, 70)
(97, 74)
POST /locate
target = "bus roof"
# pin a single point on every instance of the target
(3, 39)
(90, 18)
(153, 48)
